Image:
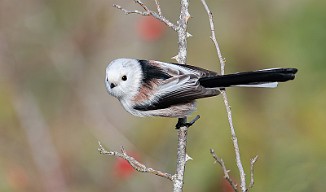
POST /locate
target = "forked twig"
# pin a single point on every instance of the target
(235, 144)
(227, 106)
(225, 170)
(148, 12)
(158, 7)
(133, 162)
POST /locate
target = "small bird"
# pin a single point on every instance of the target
(154, 88)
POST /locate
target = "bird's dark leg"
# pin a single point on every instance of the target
(182, 122)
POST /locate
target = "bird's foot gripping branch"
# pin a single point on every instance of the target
(182, 122)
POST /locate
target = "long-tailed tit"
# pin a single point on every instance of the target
(153, 88)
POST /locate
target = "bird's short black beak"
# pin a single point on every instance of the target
(112, 85)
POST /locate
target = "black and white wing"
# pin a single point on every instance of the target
(175, 91)
(175, 69)
(175, 84)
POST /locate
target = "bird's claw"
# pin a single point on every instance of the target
(183, 123)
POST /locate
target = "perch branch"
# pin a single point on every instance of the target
(182, 32)
(133, 162)
(181, 57)
(182, 132)
(181, 158)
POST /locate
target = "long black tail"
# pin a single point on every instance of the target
(261, 78)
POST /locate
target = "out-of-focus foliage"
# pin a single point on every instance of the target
(54, 107)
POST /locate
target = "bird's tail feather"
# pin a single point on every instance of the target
(261, 78)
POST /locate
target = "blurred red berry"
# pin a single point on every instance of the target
(122, 167)
(226, 186)
(150, 29)
(17, 177)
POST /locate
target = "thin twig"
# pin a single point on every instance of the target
(142, 4)
(133, 162)
(252, 163)
(226, 103)
(149, 12)
(158, 8)
(143, 13)
(213, 36)
(235, 143)
(226, 171)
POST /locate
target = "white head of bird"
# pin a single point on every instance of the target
(123, 78)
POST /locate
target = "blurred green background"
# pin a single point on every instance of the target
(54, 106)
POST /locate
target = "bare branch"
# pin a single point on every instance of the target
(133, 162)
(181, 57)
(226, 103)
(235, 143)
(163, 19)
(182, 32)
(226, 172)
(181, 159)
(182, 132)
(252, 163)
(143, 13)
(149, 12)
(158, 8)
(142, 4)
(213, 36)
(182, 156)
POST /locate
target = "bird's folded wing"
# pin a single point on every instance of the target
(177, 90)
(175, 69)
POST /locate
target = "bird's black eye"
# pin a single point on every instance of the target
(124, 78)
